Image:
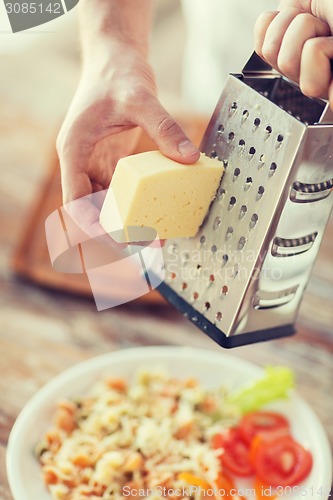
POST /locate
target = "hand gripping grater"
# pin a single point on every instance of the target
(242, 278)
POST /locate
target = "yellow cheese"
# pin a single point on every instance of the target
(150, 190)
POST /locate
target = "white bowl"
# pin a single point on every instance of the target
(210, 368)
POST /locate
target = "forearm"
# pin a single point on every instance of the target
(108, 22)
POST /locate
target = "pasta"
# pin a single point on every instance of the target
(125, 440)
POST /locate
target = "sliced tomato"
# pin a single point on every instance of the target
(261, 421)
(281, 461)
(235, 457)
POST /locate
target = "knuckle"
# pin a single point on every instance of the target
(135, 95)
(167, 127)
(261, 20)
(312, 89)
(270, 52)
(287, 65)
(314, 45)
(303, 18)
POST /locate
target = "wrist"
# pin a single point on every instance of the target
(110, 55)
(107, 23)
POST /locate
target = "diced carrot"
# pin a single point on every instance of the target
(65, 420)
(224, 482)
(118, 384)
(209, 404)
(50, 477)
(190, 382)
(184, 431)
(82, 461)
(193, 480)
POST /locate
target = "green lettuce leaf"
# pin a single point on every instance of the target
(274, 385)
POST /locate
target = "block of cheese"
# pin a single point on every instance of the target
(150, 190)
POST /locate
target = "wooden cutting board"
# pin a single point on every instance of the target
(31, 257)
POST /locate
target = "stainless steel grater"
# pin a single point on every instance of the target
(242, 278)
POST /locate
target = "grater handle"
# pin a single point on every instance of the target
(257, 66)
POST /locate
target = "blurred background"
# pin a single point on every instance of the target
(48, 321)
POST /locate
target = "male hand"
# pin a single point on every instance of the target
(297, 41)
(116, 94)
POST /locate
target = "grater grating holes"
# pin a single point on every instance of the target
(236, 173)
(224, 291)
(221, 193)
(207, 306)
(257, 122)
(272, 169)
(242, 242)
(260, 192)
(185, 257)
(229, 233)
(217, 223)
(279, 141)
(214, 249)
(252, 151)
(195, 296)
(232, 202)
(241, 146)
(231, 136)
(254, 220)
(242, 212)
(218, 316)
(203, 239)
(225, 259)
(220, 129)
(245, 115)
(248, 183)
(235, 271)
(262, 161)
(199, 268)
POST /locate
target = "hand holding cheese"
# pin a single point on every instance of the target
(150, 190)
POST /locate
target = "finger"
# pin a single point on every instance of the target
(84, 213)
(304, 27)
(260, 29)
(316, 74)
(74, 155)
(275, 33)
(166, 133)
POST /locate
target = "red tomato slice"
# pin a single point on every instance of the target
(261, 421)
(235, 458)
(282, 461)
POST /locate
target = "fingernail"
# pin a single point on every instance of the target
(186, 148)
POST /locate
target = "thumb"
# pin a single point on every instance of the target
(166, 132)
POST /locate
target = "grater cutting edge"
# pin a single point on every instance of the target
(242, 277)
